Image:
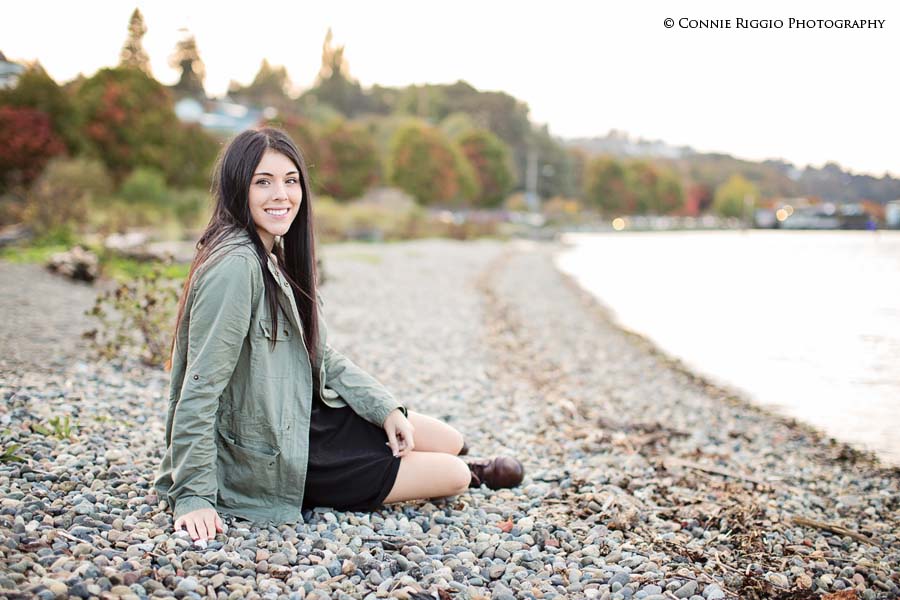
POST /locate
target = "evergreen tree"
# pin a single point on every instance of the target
(268, 88)
(187, 58)
(133, 54)
(334, 85)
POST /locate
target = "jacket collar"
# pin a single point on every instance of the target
(241, 236)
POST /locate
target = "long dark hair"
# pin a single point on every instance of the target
(296, 254)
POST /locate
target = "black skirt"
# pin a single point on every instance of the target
(350, 465)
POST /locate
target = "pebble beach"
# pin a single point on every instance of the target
(643, 480)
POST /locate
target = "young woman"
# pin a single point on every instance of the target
(265, 418)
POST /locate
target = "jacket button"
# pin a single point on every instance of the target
(196, 377)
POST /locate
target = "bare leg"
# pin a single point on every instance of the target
(433, 435)
(429, 475)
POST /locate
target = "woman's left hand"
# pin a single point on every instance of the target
(400, 433)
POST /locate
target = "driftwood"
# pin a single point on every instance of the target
(804, 522)
(677, 462)
(77, 263)
(12, 234)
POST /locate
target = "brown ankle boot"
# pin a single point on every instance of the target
(498, 472)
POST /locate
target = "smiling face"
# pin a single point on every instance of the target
(275, 196)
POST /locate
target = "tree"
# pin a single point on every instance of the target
(641, 178)
(28, 144)
(732, 196)
(382, 99)
(422, 163)
(268, 88)
(334, 86)
(501, 114)
(606, 186)
(469, 185)
(129, 120)
(652, 190)
(490, 158)
(144, 186)
(36, 89)
(193, 72)
(669, 194)
(133, 54)
(307, 137)
(349, 163)
(190, 156)
(699, 199)
(457, 124)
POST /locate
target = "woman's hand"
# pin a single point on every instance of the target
(202, 523)
(400, 433)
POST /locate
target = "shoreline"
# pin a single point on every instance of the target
(640, 482)
(766, 473)
(727, 393)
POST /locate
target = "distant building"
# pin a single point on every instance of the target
(221, 116)
(9, 73)
(802, 213)
(892, 214)
(620, 143)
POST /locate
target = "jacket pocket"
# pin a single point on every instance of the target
(280, 334)
(247, 471)
(274, 354)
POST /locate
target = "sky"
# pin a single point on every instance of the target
(808, 96)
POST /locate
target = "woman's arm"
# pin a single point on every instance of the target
(219, 321)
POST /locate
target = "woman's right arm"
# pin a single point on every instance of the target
(219, 321)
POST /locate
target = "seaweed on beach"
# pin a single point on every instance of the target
(755, 587)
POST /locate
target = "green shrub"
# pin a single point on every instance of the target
(179, 210)
(61, 197)
(114, 215)
(336, 221)
(370, 221)
(191, 208)
(145, 185)
(136, 319)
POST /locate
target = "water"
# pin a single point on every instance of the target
(804, 322)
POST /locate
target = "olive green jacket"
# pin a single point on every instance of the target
(237, 428)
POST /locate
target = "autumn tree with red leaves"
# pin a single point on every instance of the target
(29, 142)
